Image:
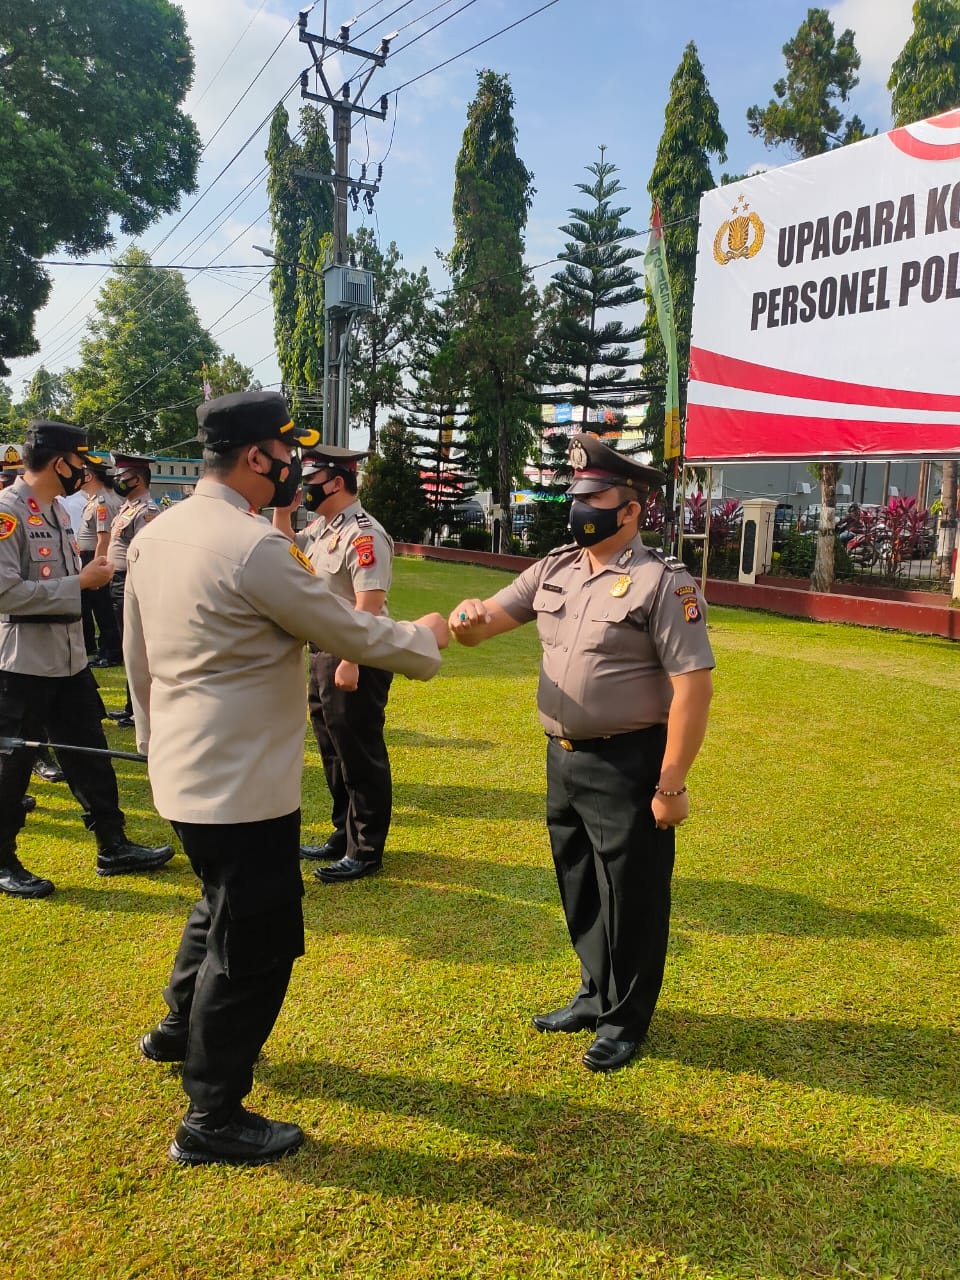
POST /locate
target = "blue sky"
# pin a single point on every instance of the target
(584, 72)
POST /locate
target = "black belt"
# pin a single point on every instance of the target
(43, 617)
(593, 744)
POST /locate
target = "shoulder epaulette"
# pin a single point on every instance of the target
(363, 520)
(668, 561)
(556, 551)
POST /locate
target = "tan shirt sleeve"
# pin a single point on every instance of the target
(135, 662)
(278, 584)
(368, 556)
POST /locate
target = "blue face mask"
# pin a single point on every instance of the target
(590, 525)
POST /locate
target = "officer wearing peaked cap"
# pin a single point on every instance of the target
(132, 485)
(46, 688)
(219, 607)
(93, 539)
(354, 554)
(623, 697)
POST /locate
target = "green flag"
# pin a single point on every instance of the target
(658, 282)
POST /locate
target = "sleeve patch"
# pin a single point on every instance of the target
(364, 549)
(8, 523)
(101, 513)
(300, 558)
(691, 610)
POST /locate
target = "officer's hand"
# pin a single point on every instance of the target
(437, 625)
(670, 811)
(467, 614)
(347, 676)
(96, 574)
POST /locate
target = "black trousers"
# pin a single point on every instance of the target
(117, 585)
(236, 954)
(349, 732)
(64, 709)
(613, 868)
(96, 608)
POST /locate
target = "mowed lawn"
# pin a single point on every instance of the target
(796, 1111)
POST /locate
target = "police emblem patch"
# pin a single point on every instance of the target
(621, 586)
(300, 558)
(45, 571)
(7, 524)
(43, 551)
(688, 590)
(691, 610)
(34, 519)
(364, 549)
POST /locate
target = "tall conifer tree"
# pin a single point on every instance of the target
(692, 133)
(590, 357)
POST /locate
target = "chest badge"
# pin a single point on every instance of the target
(44, 551)
(34, 519)
(34, 505)
(621, 586)
(334, 542)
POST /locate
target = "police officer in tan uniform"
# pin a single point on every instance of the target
(93, 539)
(354, 555)
(624, 692)
(46, 687)
(219, 606)
(132, 485)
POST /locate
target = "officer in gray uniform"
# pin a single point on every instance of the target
(354, 555)
(132, 485)
(46, 687)
(624, 692)
(93, 539)
(219, 606)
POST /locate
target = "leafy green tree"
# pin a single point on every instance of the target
(137, 385)
(48, 395)
(821, 72)
(90, 130)
(384, 336)
(495, 305)
(590, 358)
(692, 133)
(391, 489)
(225, 376)
(301, 217)
(924, 81)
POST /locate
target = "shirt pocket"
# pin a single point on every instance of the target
(615, 627)
(43, 551)
(550, 608)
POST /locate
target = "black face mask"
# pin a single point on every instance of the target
(123, 487)
(73, 481)
(286, 479)
(314, 496)
(590, 525)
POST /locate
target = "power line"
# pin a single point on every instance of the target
(216, 74)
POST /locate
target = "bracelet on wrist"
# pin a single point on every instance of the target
(662, 791)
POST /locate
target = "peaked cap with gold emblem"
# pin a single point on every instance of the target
(247, 417)
(596, 466)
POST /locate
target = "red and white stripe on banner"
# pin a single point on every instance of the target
(760, 412)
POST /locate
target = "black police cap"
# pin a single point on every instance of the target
(323, 457)
(247, 417)
(59, 437)
(596, 466)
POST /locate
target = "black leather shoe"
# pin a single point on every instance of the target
(321, 852)
(49, 772)
(608, 1055)
(29, 803)
(20, 883)
(162, 1045)
(247, 1139)
(116, 715)
(124, 858)
(347, 869)
(124, 721)
(564, 1020)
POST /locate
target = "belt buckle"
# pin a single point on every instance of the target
(566, 744)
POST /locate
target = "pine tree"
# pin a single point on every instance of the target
(496, 307)
(924, 81)
(590, 358)
(681, 174)
(821, 71)
(392, 491)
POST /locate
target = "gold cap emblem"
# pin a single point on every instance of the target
(740, 236)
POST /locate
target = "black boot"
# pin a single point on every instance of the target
(46, 767)
(119, 857)
(16, 880)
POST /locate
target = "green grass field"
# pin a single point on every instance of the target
(796, 1112)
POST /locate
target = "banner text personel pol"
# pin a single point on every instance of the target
(827, 306)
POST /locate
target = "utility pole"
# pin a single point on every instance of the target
(338, 304)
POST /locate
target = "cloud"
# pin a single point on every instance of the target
(881, 28)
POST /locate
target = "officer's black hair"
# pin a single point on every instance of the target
(349, 477)
(220, 462)
(36, 457)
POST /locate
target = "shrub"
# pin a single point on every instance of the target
(475, 540)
